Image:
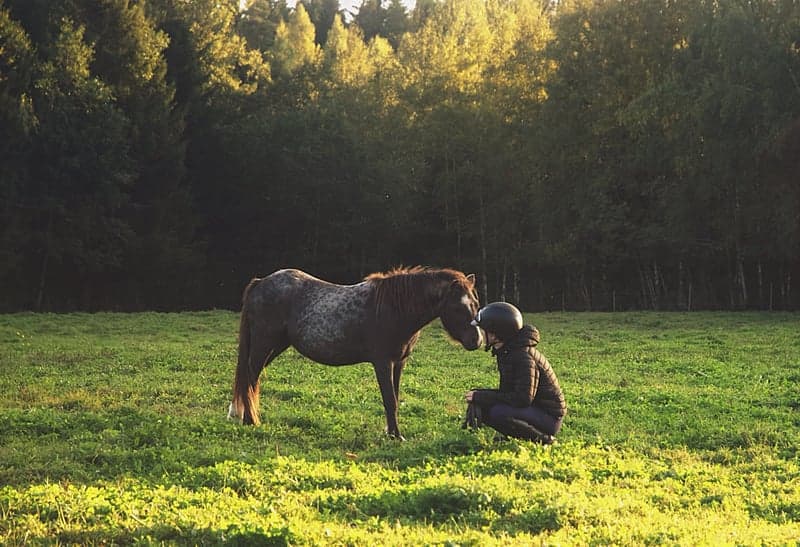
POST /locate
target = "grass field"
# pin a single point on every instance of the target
(682, 429)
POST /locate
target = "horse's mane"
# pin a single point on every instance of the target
(413, 289)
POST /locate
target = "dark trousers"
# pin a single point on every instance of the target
(535, 416)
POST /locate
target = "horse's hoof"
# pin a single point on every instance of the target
(232, 415)
(396, 435)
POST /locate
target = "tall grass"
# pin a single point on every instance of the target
(682, 428)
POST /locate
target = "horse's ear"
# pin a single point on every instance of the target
(471, 279)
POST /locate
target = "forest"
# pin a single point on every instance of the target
(598, 155)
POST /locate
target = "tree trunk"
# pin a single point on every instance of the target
(782, 285)
(770, 296)
(648, 285)
(502, 296)
(446, 193)
(42, 277)
(458, 215)
(515, 288)
(540, 301)
(482, 228)
(742, 284)
(317, 221)
(45, 261)
(659, 286)
(586, 294)
(760, 285)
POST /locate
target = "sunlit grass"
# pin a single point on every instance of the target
(683, 428)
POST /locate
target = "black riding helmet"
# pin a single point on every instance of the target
(500, 318)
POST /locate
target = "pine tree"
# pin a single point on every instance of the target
(294, 45)
(259, 20)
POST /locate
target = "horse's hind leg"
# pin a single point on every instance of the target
(263, 349)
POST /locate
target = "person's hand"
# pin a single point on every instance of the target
(468, 395)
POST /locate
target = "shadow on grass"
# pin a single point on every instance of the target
(441, 503)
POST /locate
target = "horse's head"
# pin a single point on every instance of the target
(459, 307)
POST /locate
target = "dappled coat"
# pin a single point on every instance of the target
(526, 377)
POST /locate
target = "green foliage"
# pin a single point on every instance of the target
(388, 20)
(322, 13)
(16, 124)
(77, 192)
(259, 20)
(597, 155)
(294, 47)
(681, 429)
(648, 113)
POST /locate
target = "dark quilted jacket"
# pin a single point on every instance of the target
(526, 377)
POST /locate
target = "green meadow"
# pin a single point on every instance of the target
(683, 429)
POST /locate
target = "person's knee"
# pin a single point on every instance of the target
(499, 412)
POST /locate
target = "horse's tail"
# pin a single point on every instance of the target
(246, 392)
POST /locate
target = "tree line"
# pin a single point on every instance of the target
(579, 154)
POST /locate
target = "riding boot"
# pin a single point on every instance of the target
(519, 429)
(473, 417)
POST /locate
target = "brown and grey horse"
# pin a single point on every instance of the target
(376, 321)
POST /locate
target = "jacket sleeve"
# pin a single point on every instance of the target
(486, 397)
(525, 382)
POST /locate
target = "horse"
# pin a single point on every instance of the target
(377, 320)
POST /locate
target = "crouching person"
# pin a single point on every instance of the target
(529, 403)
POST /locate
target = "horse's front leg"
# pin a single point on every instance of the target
(384, 371)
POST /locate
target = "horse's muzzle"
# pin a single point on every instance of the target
(472, 339)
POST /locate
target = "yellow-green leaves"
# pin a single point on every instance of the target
(294, 45)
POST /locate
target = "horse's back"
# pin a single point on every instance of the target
(271, 297)
(322, 320)
(289, 278)
(279, 285)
